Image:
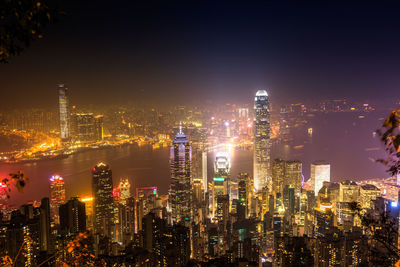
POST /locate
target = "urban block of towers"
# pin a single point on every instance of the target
(276, 185)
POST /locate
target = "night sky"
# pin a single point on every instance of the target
(192, 51)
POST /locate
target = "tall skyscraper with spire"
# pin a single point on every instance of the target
(181, 184)
(262, 143)
(64, 112)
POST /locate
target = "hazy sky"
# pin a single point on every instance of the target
(120, 51)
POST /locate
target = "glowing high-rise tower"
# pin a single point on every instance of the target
(181, 184)
(221, 184)
(262, 144)
(64, 112)
(320, 173)
(102, 189)
(124, 189)
(57, 196)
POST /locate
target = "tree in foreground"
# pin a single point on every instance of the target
(24, 21)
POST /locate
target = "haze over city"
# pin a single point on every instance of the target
(210, 51)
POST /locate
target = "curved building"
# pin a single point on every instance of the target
(262, 143)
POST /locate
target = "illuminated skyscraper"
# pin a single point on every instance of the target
(197, 200)
(64, 112)
(57, 196)
(85, 127)
(221, 179)
(124, 189)
(222, 215)
(293, 175)
(278, 176)
(247, 192)
(244, 121)
(180, 192)
(126, 205)
(286, 173)
(368, 193)
(204, 170)
(348, 191)
(98, 127)
(88, 200)
(242, 205)
(320, 173)
(262, 144)
(102, 189)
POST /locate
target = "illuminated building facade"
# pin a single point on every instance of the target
(125, 212)
(204, 170)
(198, 199)
(222, 210)
(86, 127)
(146, 201)
(278, 175)
(222, 216)
(88, 200)
(221, 179)
(348, 191)
(181, 184)
(293, 175)
(124, 189)
(244, 121)
(262, 143)
(320, 173)
(145, 192)
(242, 200)
(249, 184)
(345, 215)
(64, 112)
(98, 127)
(368, 193)
(57, 196)
(102, 190)
(126, 221)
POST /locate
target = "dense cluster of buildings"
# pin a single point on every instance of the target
(271, 218)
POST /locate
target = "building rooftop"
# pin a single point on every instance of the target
(369, 187)
(261, 93)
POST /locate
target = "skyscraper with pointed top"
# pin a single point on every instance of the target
(262, 143)
(181, 180)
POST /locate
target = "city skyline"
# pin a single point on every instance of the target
(176, 134)
(275, 198)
